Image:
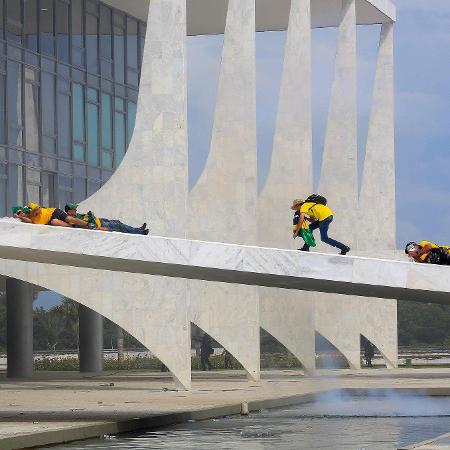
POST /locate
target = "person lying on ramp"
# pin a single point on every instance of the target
(104, 224)
(428, 252)
(39, 215)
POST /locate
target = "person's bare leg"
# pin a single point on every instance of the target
(59, 223)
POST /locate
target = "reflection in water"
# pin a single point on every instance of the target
(326, 425)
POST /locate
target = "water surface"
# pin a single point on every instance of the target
(334, 422)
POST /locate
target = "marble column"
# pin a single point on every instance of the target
(338, 317)
(377, 203)
(222, 205)
(377, 224)
(19, 329)
(91, 340)
(151, 185)
(287, 315)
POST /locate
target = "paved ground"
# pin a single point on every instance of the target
(439, 443)
(64, 406)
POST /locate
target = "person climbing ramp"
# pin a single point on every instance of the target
(315, 209)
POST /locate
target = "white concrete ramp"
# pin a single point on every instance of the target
(237, 264)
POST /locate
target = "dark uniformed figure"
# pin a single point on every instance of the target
(206, 350)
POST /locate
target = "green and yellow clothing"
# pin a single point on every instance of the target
(89, 219)
(423, 244)
(316, 211)
(305, 225)
(44, 217)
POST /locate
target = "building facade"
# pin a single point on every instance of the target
(69, 77)
(151, 183)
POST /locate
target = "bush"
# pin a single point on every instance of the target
(279, 361)
(152, 364)
(57, 364)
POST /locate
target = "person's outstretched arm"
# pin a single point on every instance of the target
(22, 218)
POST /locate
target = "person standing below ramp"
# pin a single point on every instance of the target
(316, 209)
(206, 349)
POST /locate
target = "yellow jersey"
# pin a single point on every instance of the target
(316, 211)
(44, 217)
(432, 245)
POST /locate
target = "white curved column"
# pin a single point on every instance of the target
(376, 221)
(222, 205)
(377, 224)
(289, 316)
(151, 182)
(338, 318)
(151, 185)
(128, 300)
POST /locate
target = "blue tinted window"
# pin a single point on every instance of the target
(78, 111)
(105, 32)
(14, 101)
(92, 95)
(48, 103)
(79, 189)
(62, 31)
(131, 120)
(119, 136)
(143, 30)
(1, 20)
(3, 190)
(107, 160)
(64, 125)
(119, 103)
(132, 43)
(77, 23)
(106, 121)
(14, 21)
(92, 43)
(119, 53)
(2, 108)
(92, 134)
(31, 15)
(46, 27)
(78, 152)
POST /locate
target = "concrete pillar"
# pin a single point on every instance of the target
(377, 212)
(376, 221)
(338, 317)
(151, 185)
(91, 340)
(19, 328)
(287, 315)
(222, 205)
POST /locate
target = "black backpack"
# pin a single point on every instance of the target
(438, 256)
(316, 198)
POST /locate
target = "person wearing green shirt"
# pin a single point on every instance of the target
(105, 224)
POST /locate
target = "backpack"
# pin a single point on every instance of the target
(438, 256)
(316, 198)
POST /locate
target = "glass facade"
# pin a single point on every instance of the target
(69, 78)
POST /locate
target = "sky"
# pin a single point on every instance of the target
(422, 120)
(422, 96)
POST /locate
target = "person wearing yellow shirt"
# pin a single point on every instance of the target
(51, 216)
(428, 252)
(321, 217)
